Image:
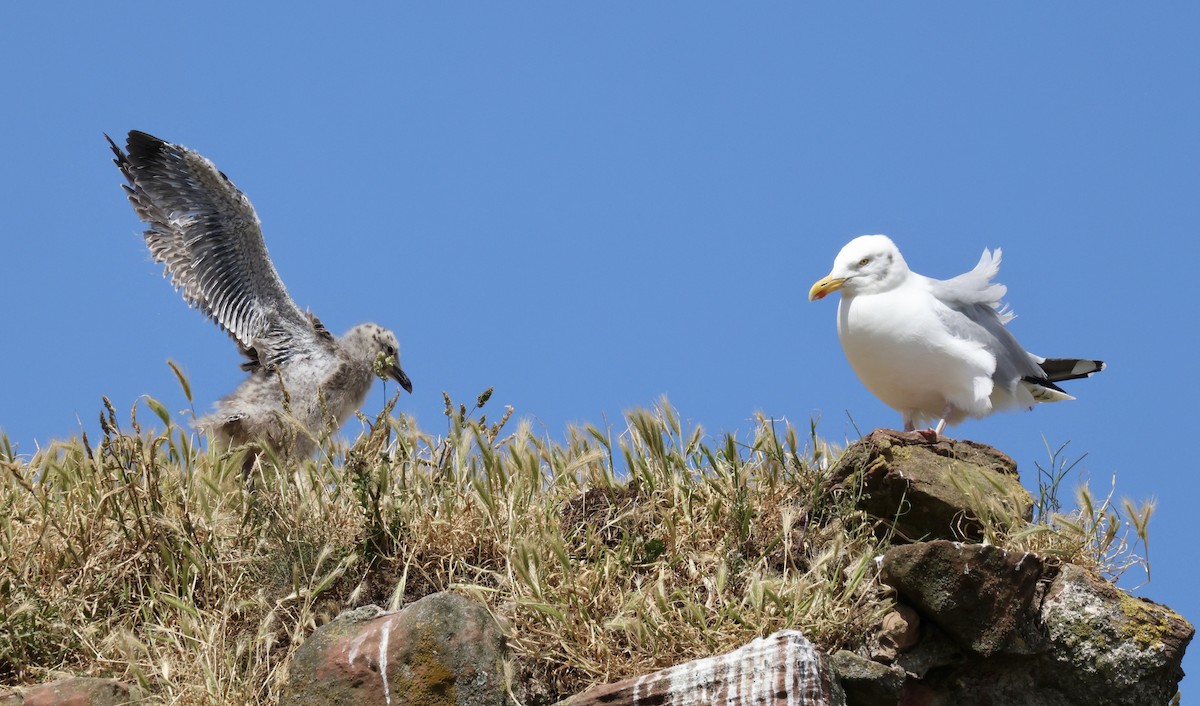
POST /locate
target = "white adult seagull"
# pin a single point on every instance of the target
(303, 381)
(936, 349)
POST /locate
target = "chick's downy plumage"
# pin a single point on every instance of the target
(303, 382)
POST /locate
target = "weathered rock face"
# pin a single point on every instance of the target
(782, 669)
(867, 682)
(977, 594)
(77, 691)
(1100, 636)
(925, 488)
(443, 650)
(990, 627)
(989, 640)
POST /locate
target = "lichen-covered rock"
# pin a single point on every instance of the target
(867, 683)
(778, 670)
(1109, 647)
(1085, 643)
(930, 490)
(442, 650)
(76, 691)
(976, 593)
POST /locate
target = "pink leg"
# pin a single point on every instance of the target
(936, 431)
(931, 435)
(910, 426)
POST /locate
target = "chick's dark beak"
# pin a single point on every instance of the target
(395, 373)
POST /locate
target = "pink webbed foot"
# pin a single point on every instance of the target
(929, 435)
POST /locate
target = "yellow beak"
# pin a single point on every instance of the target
(825, 287)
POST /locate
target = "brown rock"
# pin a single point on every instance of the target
(77, 691)
(900, 628)
(976, 593)
(930, 490)
(934, 651)
(1110, 647)
(783, 668)
(865, 682)
(1086, 643)
(1000, 680)
(441, 650)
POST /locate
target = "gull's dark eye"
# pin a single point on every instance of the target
(391, 350)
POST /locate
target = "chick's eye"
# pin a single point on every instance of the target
(391, 350)
(864, 262)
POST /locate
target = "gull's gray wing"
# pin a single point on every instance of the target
(976, 286)
(206, 234)
(974, 312)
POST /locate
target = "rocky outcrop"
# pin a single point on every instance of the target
(977, 594)
(76, 691)
(1074, 641)
(783, 669)
(442, 650)
(973, 623)
(930, 489)
(1104, 642)
(980, 625)
(986, 630)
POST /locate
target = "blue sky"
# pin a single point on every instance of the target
(589, 208)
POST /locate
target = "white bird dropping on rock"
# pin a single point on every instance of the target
(936, 349)
(303, 381)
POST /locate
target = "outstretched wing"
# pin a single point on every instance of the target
(206, 234)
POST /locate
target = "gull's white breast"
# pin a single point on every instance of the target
(903, 353)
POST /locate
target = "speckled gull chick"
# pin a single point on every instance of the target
(303, 381)
(936, 349)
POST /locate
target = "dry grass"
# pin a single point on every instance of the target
(1100, 534)
(146, 557)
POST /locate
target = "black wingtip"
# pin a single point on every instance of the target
(119, 160)
(143, 143)
(1060, 369)
(139, 136)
